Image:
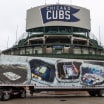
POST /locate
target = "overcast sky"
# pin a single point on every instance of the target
(13, 17)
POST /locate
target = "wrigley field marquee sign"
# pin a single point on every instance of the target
(59, 13)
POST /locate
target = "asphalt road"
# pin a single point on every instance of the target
(56, 99)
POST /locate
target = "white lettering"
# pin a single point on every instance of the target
(57, 8)
(47, 8)
(65, 8)
(68, 8)
(67, 15)
(55, 14)
(61, 7)
(61, 14)
(48, 15)
(58, 14)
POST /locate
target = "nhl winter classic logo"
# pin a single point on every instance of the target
(59, 13)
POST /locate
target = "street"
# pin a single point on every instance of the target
(56, 99)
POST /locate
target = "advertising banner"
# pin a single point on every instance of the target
(51, 72)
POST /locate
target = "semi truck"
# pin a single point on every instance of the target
(49, 74)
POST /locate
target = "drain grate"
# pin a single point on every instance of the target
(63, 100)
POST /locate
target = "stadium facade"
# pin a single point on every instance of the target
(58, 31)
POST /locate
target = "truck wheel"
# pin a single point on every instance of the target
(1, 95)
(23, 94)
(100, 93)
(6, 96)
(92, 93)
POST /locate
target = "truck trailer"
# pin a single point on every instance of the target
(49, 74)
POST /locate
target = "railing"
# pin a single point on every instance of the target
(83, 52)
(69, 56)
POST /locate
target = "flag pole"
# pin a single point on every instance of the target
(70, 1)
(99, 35)
(45, 2)
(58, 1)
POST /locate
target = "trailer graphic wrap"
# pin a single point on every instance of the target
(12, 76)
(92, 74)
(68, 70)
(13, 73)
(42, 72)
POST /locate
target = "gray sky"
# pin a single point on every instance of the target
(13, 16)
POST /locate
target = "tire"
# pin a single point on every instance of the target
(32, 90)
(100, 93)
(92, 93)
(6, 96)
(23, 94)
(1, 95)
